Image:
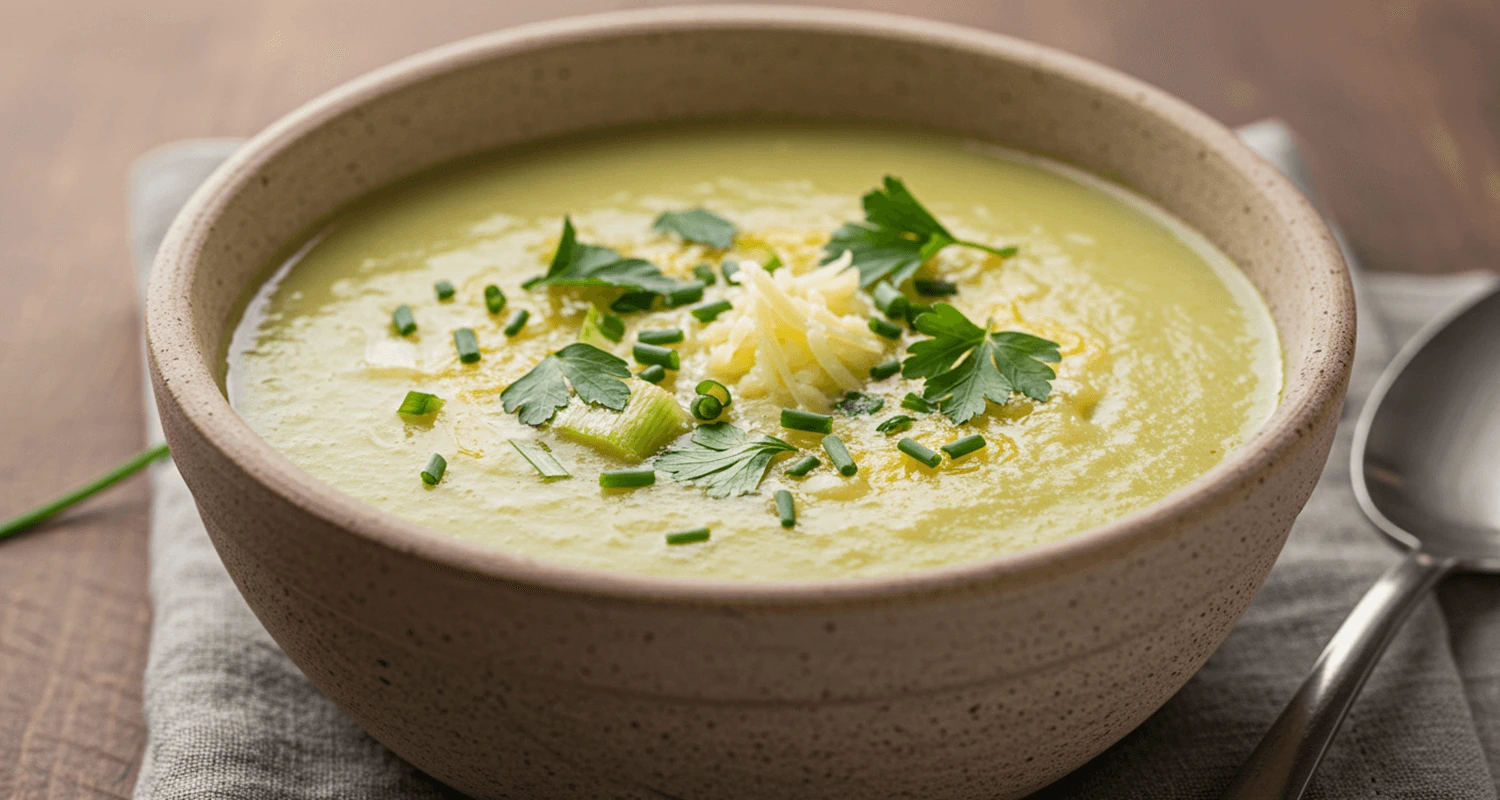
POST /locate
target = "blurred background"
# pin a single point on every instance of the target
(1397, 102)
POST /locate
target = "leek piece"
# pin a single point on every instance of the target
(650, 420)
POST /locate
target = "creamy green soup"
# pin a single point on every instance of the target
(1166, 357)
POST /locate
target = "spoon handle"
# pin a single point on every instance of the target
(1285, 759)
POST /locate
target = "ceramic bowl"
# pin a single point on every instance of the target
(507, 677)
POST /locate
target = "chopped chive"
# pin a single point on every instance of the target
(690, 292)
(633, 302)
(612, 327)
(434, 470)
(915, 310)
(652, 354)
(890, 300)
(964, 446)
(729, 268)
(517, 322)
(880, 372)
(838, 454)
(806, 421)
(663, 336)
(706, 408)
(444, 289)
(540, 460)
(688, 537)
(920, 452)
(803, 466)
(627, 478)
(652, 374)
(912, 402)
(705, 273)
(466, 344)
(716, 390)
(404, 322)
(889, 330)
(419, 404)
(931, 288)
(895, 424)
(773, 263)
(785, 508)
(494, 299)
(708, 312)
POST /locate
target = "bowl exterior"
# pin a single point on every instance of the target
(506, 678)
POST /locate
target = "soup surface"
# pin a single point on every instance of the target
(1166, 357)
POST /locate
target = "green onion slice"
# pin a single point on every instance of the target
(839, 456)
(785, 508)
(466, 344)
(708, 312)
(653, 354)
(652, 374)
(880, 372)
(403, 321)
(889, 330)
(920, 452)
(662, 336)
(803, 466)
(895, 424)
(690, 292)
(964, 446)
(517, 322)
(434, 470)
(716, 390)
(494, 299)
(419, 404)
(627, 478)
(540, 459)
(806, 421)
(931, 288)
(688, 537)
(890, 300)
(706, 408)
(444, 289)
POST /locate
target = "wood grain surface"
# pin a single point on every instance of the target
(1396, 99)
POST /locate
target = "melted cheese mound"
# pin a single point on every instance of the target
(799, 339)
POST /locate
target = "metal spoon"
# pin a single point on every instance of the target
(1426, 471)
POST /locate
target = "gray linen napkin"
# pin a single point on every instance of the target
(229, 715)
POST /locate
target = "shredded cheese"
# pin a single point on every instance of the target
(799, 339)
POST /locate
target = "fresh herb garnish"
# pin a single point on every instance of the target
(517, 322)
(881, 371)
(962, 447)
(854, 404)
(540, 459)
(494, 299)
(629, 478)
(708, 312)
(419, 404)
(403, 321)
(920, 452)
(705, 273)
(698, 225)
(912, 402)
(706, 408)
(810, 421)
(997, 364)
(444, 289)
(839, 456)
(786, 509)
(888, 330)
(896, 238)
(577, 264)
(652, 374)
(715, 389)
(594, 374)
(661, 336)
(723, 459)
(466, 344)
(688, 537)
(803, 466)
(686, 292)
(656, 354)
(433, 472)
(895, 424)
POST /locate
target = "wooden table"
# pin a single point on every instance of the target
(1396, 99)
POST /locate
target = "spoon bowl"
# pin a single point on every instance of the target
(1426, 456)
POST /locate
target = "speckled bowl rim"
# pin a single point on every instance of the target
(188, 374)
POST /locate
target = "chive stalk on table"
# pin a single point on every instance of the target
(51, 508)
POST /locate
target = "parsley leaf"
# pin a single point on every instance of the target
(997, 364)
(896, 238)
(699, 225)
(722, 459)
(576, 264)
(542, 392)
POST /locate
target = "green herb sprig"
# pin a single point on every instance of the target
(578, 264)
(723, 459)
(595, 375)
(698, 225)
(965, 366)
(896, 238)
